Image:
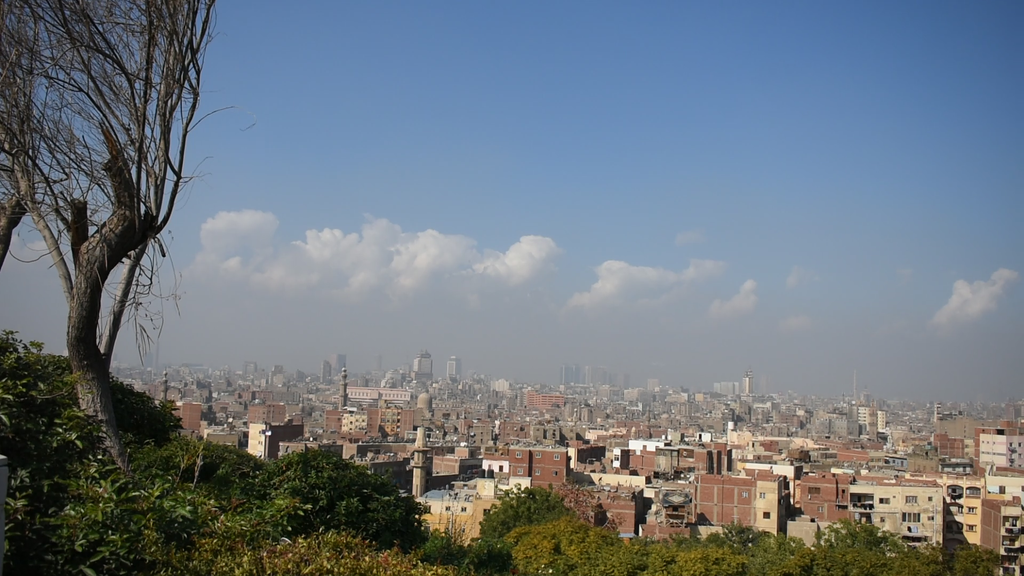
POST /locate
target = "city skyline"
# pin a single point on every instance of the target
(674, 192)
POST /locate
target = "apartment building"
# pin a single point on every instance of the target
(541, 467)
(913, 509)
(1001, 524)
(760, 502)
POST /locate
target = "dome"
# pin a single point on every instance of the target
(425, 402)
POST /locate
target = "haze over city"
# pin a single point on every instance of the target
(673, 192)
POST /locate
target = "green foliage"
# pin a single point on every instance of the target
(568, 547)
(518, 508)
(140, 421)
(971, 560)
(47, 441)
(343, 495)
(313, 555)
(226, 473)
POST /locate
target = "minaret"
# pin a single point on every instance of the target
(343, 396)
(419, 464)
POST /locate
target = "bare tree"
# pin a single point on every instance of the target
(100, 99)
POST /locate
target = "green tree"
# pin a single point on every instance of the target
(518, 508)
(778, 555)
(339, 494)
(971, 560)
(710, 560)
(226, 473)
(569, 547)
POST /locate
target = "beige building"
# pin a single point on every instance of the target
(461, 509)
(963, 496)
(913, 509)
(353, 422)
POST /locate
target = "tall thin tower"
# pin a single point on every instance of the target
(854, 386)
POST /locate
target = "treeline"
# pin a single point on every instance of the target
(194, 508)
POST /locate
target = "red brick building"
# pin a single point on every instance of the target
(191, 414)
(386, 422)
(272, 413)
(543, 466)
(540, 401)
(825, 498)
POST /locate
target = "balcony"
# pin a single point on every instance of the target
(1013, 530)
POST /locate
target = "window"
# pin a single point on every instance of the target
(447, 508)
(519, 471)
(973, 491)
(537, 455)
(821, 508)
(487, 511)
(557, 456)
(972, 509)
(762, 495)
(501, 467)
(884, 501)
(463, 510)
(972, 528)
(519, 454)
(814, 490)
(766, 515)
(745, 494)
(911, 500)
(931, 499)
(554, 472)
(536, 472)
(912, 517)
(931, 518)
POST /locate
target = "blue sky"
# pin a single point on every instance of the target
(879, 147)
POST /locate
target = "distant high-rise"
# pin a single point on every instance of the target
(596, 375)
(249, 368)
(454, 372)
(379, 366)
(423, 367)
(748, 382)
(570, 374)
(325, 371)
(338, 361)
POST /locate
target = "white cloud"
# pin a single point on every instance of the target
(524, 260)
(379, 258)
(619, 282)
(972, 300)
(797, 323)
(800, 276)
(742, 303)
(695, 236)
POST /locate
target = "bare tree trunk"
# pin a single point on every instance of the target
(11, 213)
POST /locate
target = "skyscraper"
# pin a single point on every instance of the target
(338, 361)
(748, 382)
(570, 374)
(325, 372)
(454, 372)
(423, 367)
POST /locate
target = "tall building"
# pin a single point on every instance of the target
(454, 372)
(596, 375)
(249, 368)
(748, 382)
(338, 361)
(325, 371)
(570, 374)
(423, 367)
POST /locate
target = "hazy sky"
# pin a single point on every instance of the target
(674, 190)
